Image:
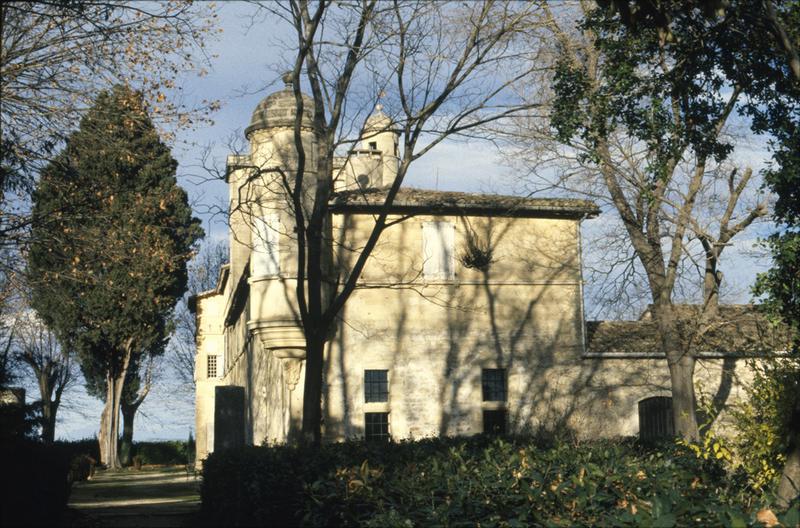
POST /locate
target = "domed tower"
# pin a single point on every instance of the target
(263, 234)
(374, 162)
(255, 180)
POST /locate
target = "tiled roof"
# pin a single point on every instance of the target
(738, 330)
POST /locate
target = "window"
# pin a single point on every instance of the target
(493, 382)
(655, 418)
(211, 371)
(265, 259)
(438, 241)
(373, 145)
(494, 421)
(363, 181)
(376, 386)
(376, 426)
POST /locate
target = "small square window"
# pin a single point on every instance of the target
(376, 427)
(494, 385)
(495, 422)
(376, 386)
(373, 145)
(212, 366)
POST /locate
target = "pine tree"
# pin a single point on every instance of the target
(113, 232)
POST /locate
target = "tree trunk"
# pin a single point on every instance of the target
(102, 436)
(312, 391)
(48, 422)
(126, 443)
(681, 374)
(48, 407)
(109, 422)
(789, 487)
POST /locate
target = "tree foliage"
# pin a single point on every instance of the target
(57, 56)
(671, 91)
(112, 235)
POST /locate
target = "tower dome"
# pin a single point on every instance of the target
(279, 110)
(378, 121)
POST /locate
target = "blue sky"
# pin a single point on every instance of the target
(247, 69)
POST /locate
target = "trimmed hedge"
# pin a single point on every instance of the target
(475, 481)
(172, 452)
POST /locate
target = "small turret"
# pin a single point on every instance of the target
(374, 163)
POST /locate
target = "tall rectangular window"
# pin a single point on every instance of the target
(438, 250)
(376, 426)
(493, 382)
(211, 371)
(266, 258)
(376, 386)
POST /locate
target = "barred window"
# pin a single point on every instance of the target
(211, 371)
(376, 386)
(493, 382)
(376, 426)
(495, 421)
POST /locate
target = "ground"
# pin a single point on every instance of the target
(151, 497)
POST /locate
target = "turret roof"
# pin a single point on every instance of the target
(279, 109)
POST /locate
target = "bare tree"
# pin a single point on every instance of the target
(7, 359)
(678, 205)
(51, 365)
(440, 70)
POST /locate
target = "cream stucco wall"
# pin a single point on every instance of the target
(434, 336)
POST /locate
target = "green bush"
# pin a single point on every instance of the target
(762, 421)
(162, 453)
(476, 481)
(35, 483)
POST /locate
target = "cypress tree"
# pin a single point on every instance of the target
(112, 234)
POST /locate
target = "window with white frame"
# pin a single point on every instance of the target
(438, 250)
(266, 259)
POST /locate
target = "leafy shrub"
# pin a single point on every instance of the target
(162, 453)
(476, 481)
(761, 422)
(35, 483)
(81, 468)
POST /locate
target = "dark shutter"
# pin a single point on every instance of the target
(494, 422)
(655, 418)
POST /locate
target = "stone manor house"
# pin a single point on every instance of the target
(468, 317)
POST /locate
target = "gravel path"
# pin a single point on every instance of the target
(151, 497)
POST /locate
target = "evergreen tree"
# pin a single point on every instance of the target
(113, 233)
(781, 285)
